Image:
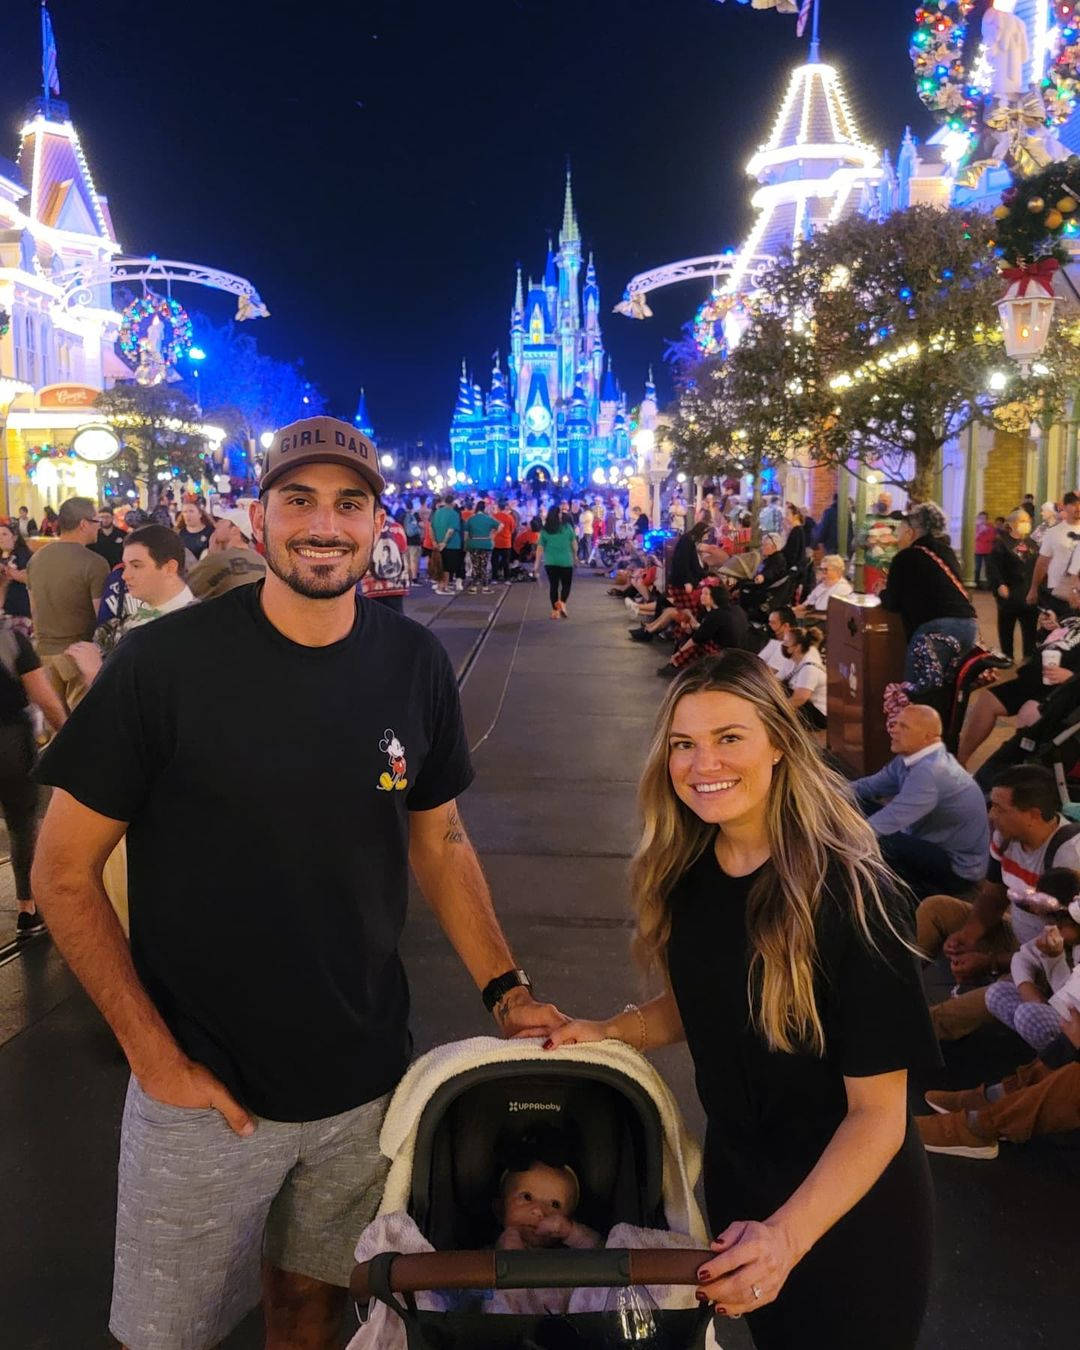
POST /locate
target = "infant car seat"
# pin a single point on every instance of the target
(612, 1123)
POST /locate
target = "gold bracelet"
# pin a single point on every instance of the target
(633, 1007)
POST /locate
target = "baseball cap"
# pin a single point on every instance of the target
(321, 440)
(238, 516)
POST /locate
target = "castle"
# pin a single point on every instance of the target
(557, 413)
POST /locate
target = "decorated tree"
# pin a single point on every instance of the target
(161, 430)
(894, 342)
(733, 412)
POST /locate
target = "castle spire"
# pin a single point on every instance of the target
(519, 296)
(569, 232)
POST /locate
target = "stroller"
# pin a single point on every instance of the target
(635, 1165)
(1053, 741)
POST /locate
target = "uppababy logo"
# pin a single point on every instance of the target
(533, 1106)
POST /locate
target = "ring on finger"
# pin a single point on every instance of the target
(755, 1289)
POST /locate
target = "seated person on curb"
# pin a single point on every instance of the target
(833, 582)
(781, 626)
(808, 682)
(682, 608)
(928, 813)
(1055, 663)
(1028, 837)
(1045, 982)
(1037, 1099)
(721, 625)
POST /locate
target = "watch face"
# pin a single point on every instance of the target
(538, 418)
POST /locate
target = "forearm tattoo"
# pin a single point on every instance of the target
(455, 831)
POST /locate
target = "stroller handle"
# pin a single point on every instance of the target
(553, 1268)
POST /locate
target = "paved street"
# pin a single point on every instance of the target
(558, 715)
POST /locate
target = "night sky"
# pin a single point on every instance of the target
(378, 167)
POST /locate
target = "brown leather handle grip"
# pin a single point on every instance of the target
(556, 1268)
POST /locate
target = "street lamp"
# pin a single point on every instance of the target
(1027, 310)
(195, 355)
(387, 461)
(266, 440)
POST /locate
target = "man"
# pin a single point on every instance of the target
(154, 578)
(1038, 1099)
(264, 1010)
(833, 582)
(928, 813)
(586, 517)
(110, 540)
(1028, 836)
(446, 532)
(1058, 563)
(771, 517)
(781, 626)
(231, 559)
(827, 532)
(503, 543)
(25, 524)
(66, 583)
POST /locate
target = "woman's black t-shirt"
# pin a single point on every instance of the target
(771, 1114)
(17, 597)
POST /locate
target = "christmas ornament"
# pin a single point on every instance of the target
(1053, 220)
(1035, 205)
(1067, 206)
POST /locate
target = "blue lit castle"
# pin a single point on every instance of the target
(557, 411)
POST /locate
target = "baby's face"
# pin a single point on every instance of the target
(539, 1193)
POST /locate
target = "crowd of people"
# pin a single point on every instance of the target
(790, 1014)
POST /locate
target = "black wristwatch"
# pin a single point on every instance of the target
(501, 985)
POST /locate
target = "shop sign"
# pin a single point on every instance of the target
(66, 397)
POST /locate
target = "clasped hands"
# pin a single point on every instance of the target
(752, 1264)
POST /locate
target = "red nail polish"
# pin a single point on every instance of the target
(701, 1298)
(722, 1312)
(547, 1045)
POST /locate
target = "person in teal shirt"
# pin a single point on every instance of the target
(446, 536)
(557, 546)
(480, 530)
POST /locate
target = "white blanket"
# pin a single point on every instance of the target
(682, 1154)
(397, 1232)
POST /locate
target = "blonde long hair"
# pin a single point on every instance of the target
(813, 829)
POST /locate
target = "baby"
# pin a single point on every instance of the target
(536, 1207)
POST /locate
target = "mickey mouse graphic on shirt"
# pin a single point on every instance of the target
(392, 748)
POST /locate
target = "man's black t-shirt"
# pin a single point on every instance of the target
(279, 779)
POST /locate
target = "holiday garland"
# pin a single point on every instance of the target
(1037, 212)
(137, 318)
(709, 322)
(954, 83)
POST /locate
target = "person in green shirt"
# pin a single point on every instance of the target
(556, 549)
(480, 530)
(446, 532)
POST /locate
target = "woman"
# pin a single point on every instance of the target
(924, 585)
(48, 522)
(761, 897)
(686, 567)
(555, 549)
(795, 544)
(1009, 570)
(833, 582)
(718, 626)
(195, 529)
(808, 682)
(14, 555)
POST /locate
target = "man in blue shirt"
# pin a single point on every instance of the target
(929, 814)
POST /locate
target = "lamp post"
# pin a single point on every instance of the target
(195, 355)
(1027, 310)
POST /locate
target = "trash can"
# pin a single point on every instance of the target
(865, 648)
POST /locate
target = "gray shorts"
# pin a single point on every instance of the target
(199, 1207)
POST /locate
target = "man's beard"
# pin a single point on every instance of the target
(320, 581)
